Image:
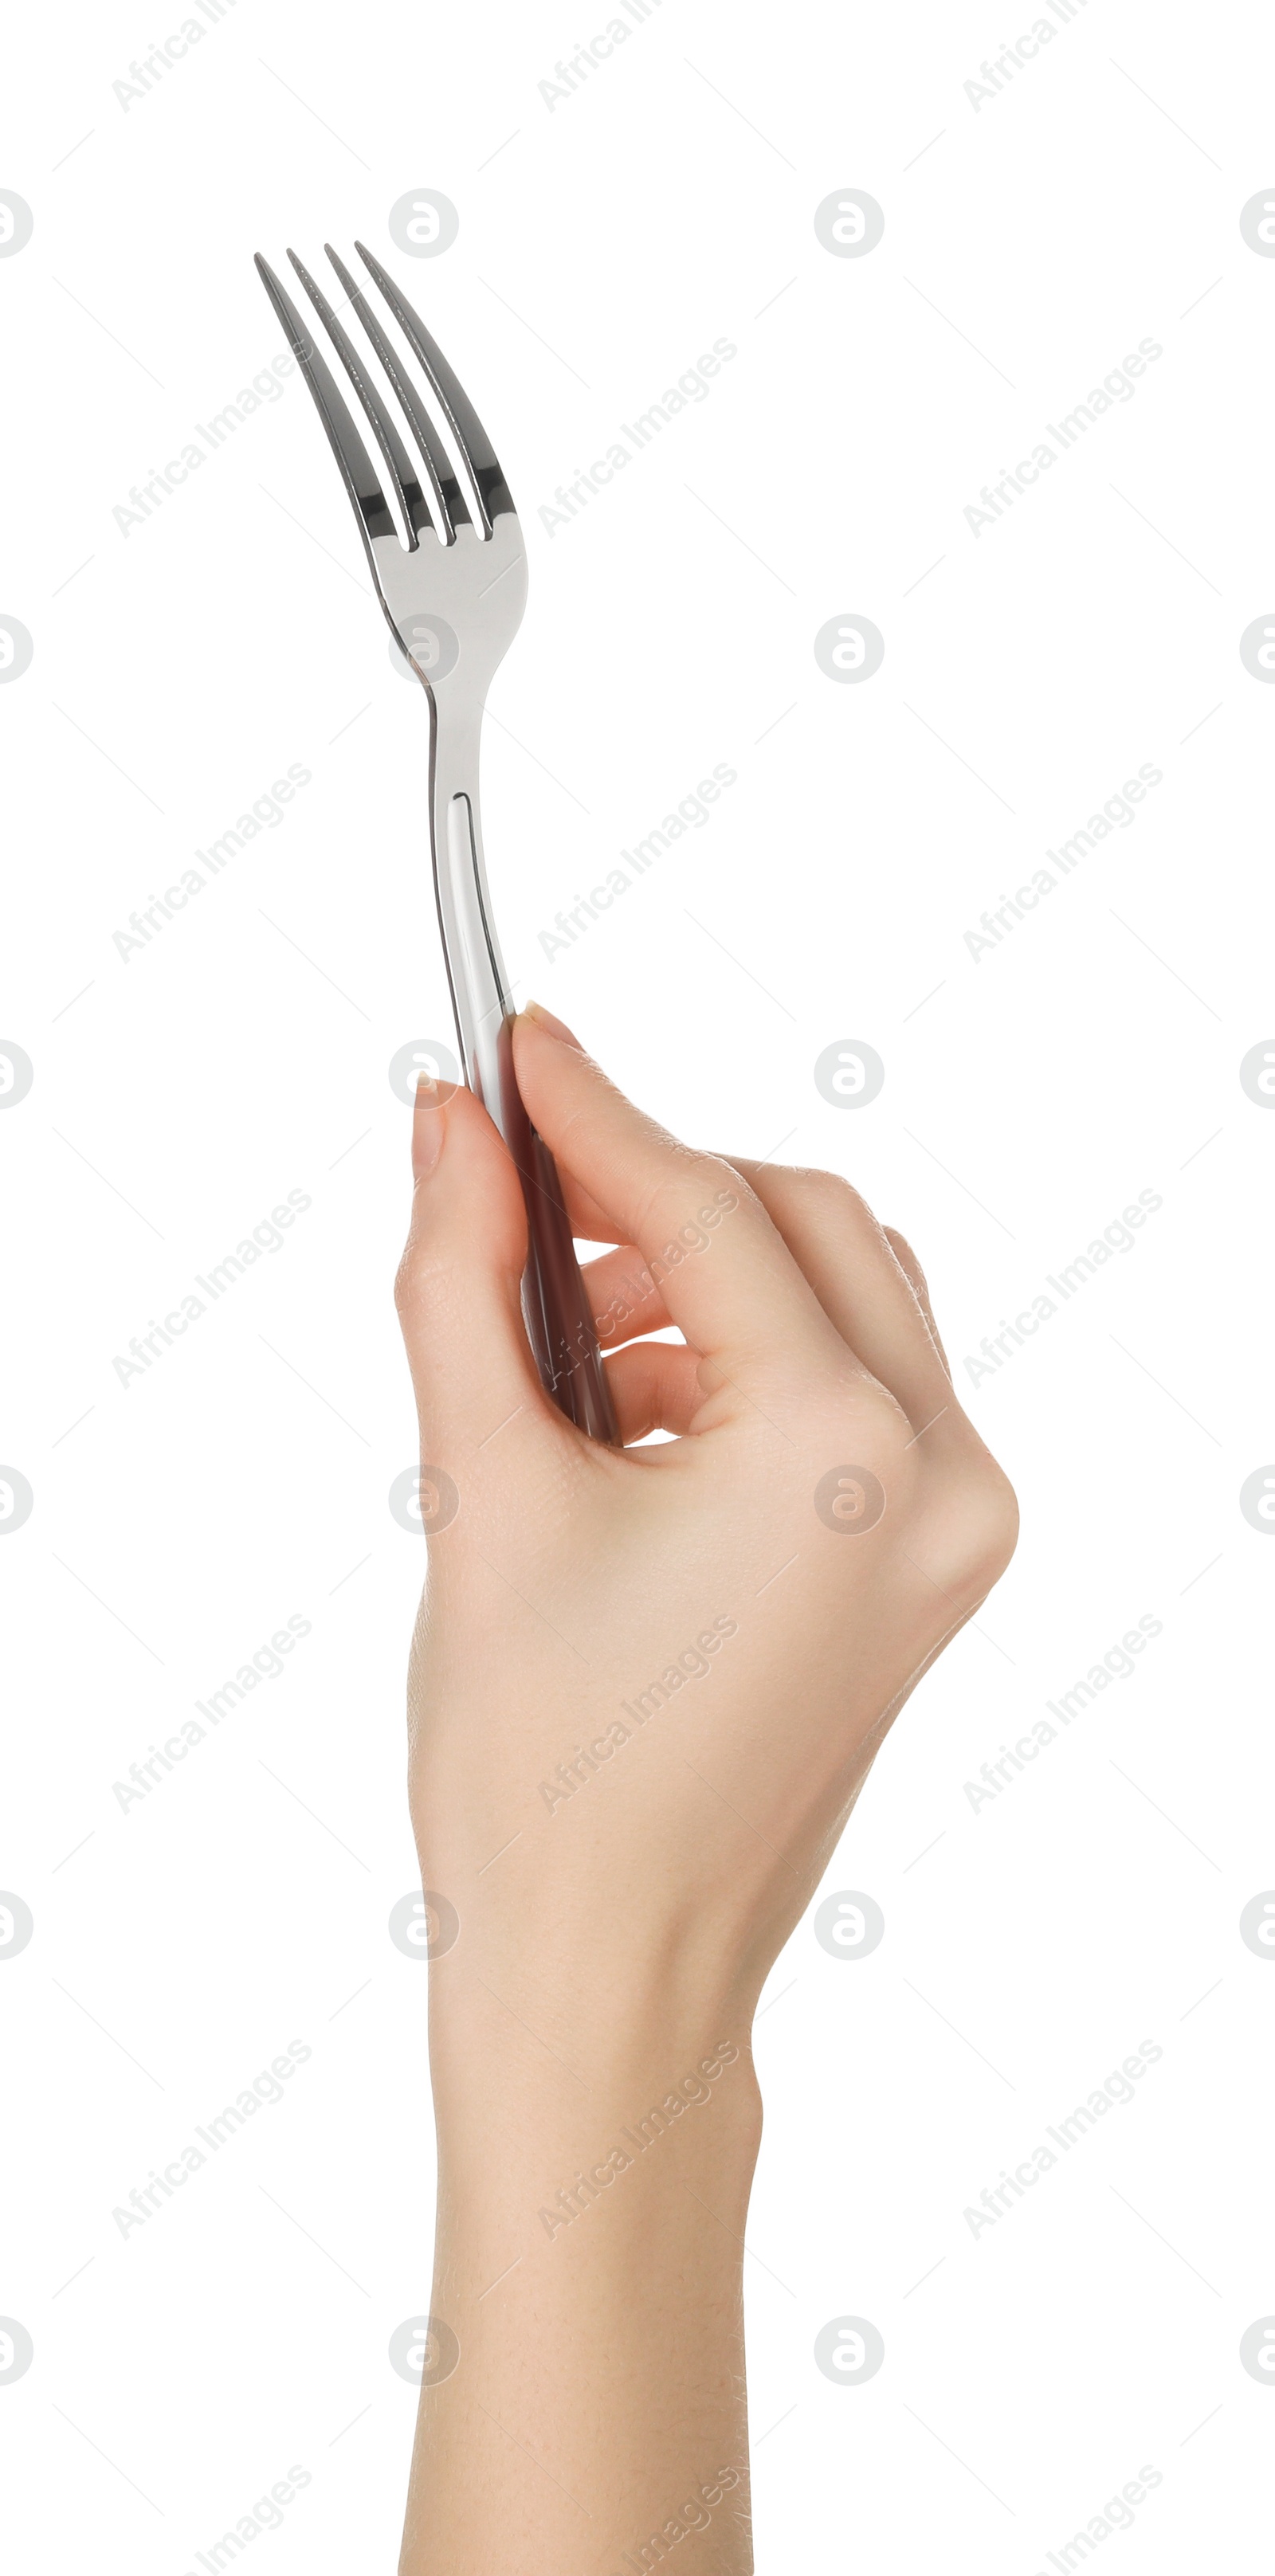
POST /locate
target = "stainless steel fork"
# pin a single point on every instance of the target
(453, 587)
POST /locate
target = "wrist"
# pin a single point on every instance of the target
(612, 2052)
(549, 2014)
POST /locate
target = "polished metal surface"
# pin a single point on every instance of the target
(453, 585)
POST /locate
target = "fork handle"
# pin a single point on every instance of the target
(555, 1302)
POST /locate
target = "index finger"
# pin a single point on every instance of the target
(727, 1277)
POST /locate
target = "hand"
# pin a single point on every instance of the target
(646, 1688)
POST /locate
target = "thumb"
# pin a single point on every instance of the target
(458, 1290)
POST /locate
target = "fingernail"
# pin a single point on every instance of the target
(429, 1126)
(556, 1027)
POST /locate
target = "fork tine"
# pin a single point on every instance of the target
(448, 496)
(481, 460)
(375, 517)
(403, 473)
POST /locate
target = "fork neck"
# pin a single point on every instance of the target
(481, 999)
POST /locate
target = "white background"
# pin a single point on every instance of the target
(604, 242)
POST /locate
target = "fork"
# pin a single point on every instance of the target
(453, 587)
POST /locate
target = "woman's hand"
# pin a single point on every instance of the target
(646, 1688)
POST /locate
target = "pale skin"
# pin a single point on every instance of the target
(624, 1883)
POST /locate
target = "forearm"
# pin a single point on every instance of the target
(588, 2260)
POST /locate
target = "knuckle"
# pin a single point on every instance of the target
(867, 1424)
(677, 1197)
(421, 1286)
(707, 1174)
(982, 1515)
(834, 1199)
